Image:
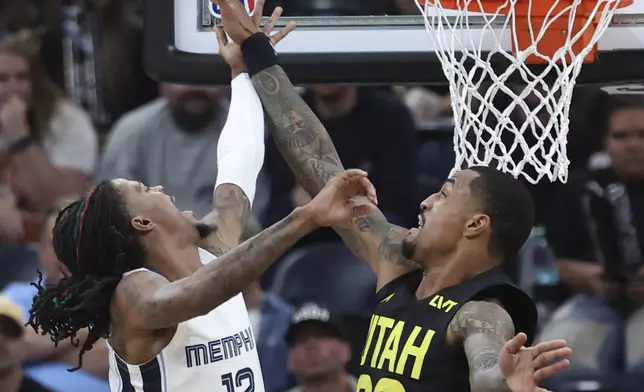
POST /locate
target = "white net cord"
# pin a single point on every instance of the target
(526, 133)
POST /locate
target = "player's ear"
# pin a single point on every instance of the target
(476, 225)
(142, 225)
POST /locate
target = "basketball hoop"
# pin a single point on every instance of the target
(557, 35)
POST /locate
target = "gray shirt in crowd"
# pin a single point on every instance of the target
(146, 145)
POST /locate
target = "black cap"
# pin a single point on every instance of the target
(312, 313)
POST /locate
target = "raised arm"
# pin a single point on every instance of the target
(307, 148)
(240, 155)
(304, 142)
(149, 301)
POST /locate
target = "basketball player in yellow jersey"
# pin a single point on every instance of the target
(447, 318)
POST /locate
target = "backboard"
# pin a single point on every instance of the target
(181, 47)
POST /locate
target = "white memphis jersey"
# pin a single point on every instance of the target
(214, 353)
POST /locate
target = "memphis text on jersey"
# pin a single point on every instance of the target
(397, 347)
(220, 349)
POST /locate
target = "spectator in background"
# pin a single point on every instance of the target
(44, 362)
(48, 146)
(318, 352)
(93, 51)
(12, 378)
(371, 129)
(270, 318)
(171, 141)
(597, 232)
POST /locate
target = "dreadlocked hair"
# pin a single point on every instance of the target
(94, 239)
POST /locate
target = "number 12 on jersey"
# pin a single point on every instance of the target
(244, 378)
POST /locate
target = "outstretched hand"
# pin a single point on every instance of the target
(339, 201)
(240, 26)
(524, 367)
(231, 50)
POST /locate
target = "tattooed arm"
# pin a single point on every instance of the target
(307, 148)
(483, 328)
(149, 302)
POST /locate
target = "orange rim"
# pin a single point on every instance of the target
(537, 8)
(530, 16)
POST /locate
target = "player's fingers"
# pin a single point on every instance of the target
(280, 35)
(354, 173)
(363, 184)
(551, 370)
(548, 346)
(272, 21)
(516, 343)
(544, 359)
(367, 189)
(363, 209)
(259, 12)
(222, 38)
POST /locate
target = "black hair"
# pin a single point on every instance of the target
(509, 205)
(94, 239)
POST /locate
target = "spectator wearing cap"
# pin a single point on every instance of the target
(318, 351)
(12, 334)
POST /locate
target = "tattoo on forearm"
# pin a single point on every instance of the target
(485, 327)
(309, 151)
(231, 213)
(222, 278)
(298, 133)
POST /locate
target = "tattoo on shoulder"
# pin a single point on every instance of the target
(485, 328)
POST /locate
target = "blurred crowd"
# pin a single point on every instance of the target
(76, 107)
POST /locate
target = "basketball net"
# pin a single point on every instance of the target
(527, 133)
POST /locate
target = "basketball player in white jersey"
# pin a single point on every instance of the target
(185, 326)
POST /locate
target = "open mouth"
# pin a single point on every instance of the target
(421, 221)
